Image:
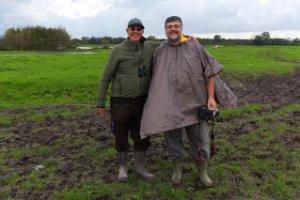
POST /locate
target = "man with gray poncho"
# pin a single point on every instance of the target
(184, 78)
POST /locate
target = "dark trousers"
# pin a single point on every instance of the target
(126, 118)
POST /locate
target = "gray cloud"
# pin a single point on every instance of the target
(110, 17)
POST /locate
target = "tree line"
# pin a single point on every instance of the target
(261, 39)
(35, 38)
(41, 38)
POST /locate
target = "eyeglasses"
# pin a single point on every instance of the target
(135, 28)
(176, 26)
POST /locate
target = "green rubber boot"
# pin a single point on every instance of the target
(139, 166)
(203, 176)
(122, 159)
(177, 174)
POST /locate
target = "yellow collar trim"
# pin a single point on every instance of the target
(183, 38)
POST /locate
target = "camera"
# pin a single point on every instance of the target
(142, 71)
(207, 114)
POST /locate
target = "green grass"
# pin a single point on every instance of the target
(5, 120)
(37, 115)
(20, 152)
(254, 60)
(266, 165)
(35, 78)
(254, 158)
(33, 181)
(107, 153)
(240, 111)
(51, 78)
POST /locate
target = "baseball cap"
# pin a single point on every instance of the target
(135, 22)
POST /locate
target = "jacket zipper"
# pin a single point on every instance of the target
(139, 64)
(120, 88)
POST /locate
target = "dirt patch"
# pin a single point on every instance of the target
(269, 89)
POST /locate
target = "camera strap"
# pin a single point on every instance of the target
(212, 139)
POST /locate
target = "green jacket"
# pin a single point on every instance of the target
(122, 71)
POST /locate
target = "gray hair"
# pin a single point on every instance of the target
(172, 19)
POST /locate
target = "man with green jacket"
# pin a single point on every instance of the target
(128, 69)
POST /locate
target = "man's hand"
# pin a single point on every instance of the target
(212, 104)
(101, 112)
(191, 38)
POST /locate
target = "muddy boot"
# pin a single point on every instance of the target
(139, 168)
(122, 159)
(177, 174)
(202, 170)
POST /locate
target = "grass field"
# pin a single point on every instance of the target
(54, 146)
(257, 60)
(34, 78)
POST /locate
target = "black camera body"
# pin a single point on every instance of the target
(142, 71)
(207, 114)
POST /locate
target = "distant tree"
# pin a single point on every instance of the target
(296, 41)
(217, 39)
(151, 37)
(258, 40)
(2, 45)
(76, 40)
(266, 38)
(117, 40)
(94, 40)
(105, 43)
(280, 41)
(12, 38)
(36, 38)
(263, 39)
(85, 40)
(63, 37)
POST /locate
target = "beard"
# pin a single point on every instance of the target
(174, 39)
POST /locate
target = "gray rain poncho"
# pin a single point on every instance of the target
(178, 87)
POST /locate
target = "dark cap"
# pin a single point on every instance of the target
(135, 22)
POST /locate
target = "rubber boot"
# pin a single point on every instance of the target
(202, 170)
(122, 159)
(177, 174)
(139, 168)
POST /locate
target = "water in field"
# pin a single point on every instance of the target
(47, 53)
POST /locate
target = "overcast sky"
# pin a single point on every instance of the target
(204, 18)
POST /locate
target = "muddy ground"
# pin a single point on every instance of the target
(66, 138)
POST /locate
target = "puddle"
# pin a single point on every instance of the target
(47, 53)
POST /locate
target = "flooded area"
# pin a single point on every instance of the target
(47, 53)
